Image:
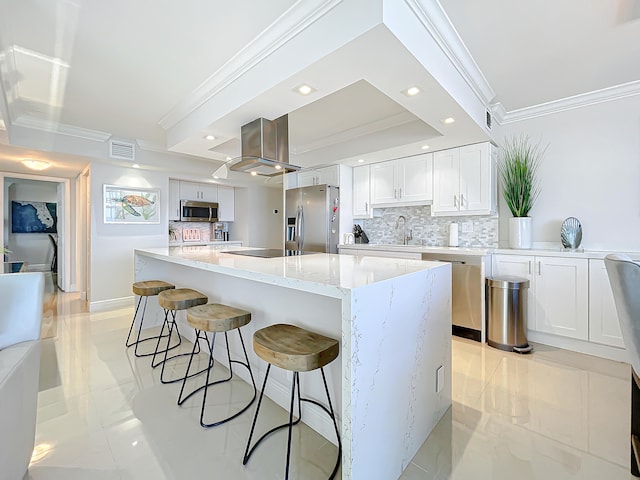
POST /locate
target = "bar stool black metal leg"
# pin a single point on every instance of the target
(335, 425)
(165, 323)
(133, 321)
(295, 385)
(195, 351)
(296, 379)
(208, 384)
(247, 452)
(186, 376)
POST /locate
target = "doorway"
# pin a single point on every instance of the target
(50, 239)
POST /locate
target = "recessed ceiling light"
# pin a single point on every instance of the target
(135, 165)
(36, 164)
(361, 160)
(209, 137)
(448, 120)
(254, 173)
(425, 147)
(304, 89)
(228, 158)
(278, 167)
(411, 91)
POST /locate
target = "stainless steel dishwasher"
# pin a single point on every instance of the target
(467, 292)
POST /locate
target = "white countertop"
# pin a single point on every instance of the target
(321, 273)
(178, 243)
(547, 251)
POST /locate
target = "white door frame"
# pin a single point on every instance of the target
(64, 273)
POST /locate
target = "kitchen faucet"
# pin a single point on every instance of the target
(405, 237)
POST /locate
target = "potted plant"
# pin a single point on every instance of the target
(518, 169)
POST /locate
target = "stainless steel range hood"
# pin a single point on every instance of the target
(265, 148)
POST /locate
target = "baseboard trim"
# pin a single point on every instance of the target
(580, 346)
(112, 304)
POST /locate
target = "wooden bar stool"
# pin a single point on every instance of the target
(298, 350)
(214, 318)
(172, 301)
(146, 289)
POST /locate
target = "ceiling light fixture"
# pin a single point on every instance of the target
(304, 89)
(448, 120)
(36, 164)
(425, 147)
(361, 160)
(278, 167)
(135, 165)
(209, 137)
(254, 173)
(411, 91)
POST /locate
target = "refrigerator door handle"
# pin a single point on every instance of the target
(301, 235)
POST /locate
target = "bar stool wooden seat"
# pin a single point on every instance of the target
(298, 350)
(145, 289)
(172, 301)
(215, 318)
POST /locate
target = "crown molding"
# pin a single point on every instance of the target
(60, 128)
(151, 146)
(356, 132)
(297, 18)
(435, 20)
(576, 101)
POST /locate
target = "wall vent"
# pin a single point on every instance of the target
(122, 150)
(488, 119)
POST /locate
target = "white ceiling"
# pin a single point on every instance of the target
(134, 68)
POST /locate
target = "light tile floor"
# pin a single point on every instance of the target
(103, 414)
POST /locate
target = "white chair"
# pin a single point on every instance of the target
(21, 304)
(624, 276)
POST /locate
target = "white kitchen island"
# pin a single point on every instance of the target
(393, 317)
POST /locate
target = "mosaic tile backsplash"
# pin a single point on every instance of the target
(428, 230)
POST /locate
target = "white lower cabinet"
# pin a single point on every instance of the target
(604, 326)
(558, 292)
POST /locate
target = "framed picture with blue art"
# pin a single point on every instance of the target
(33, 217)
(131, 204)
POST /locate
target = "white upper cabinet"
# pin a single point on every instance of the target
(204, 192)
(321, 176)
(226, 204)
(361, 196)
(174, 199)
(403, 181)
(464, 181)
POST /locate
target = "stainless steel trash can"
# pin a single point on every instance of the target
(507, 313)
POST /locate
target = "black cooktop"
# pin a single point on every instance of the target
(269, 253)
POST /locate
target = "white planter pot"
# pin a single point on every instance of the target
(520, 232)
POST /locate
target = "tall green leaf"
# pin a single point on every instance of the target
(518, 167)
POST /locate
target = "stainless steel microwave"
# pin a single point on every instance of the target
(191, 211)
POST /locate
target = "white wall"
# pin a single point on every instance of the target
(591, 171)
(256, 224)
(112, 245)
(34, 248)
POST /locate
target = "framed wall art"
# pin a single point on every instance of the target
(131, 205)
(33, 217)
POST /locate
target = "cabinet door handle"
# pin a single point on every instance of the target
(366, 207)
(529, 262)
(395, 193)
(462, 200)
(539, 268)
(455, 201)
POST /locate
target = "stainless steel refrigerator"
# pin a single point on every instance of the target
(312, 219)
